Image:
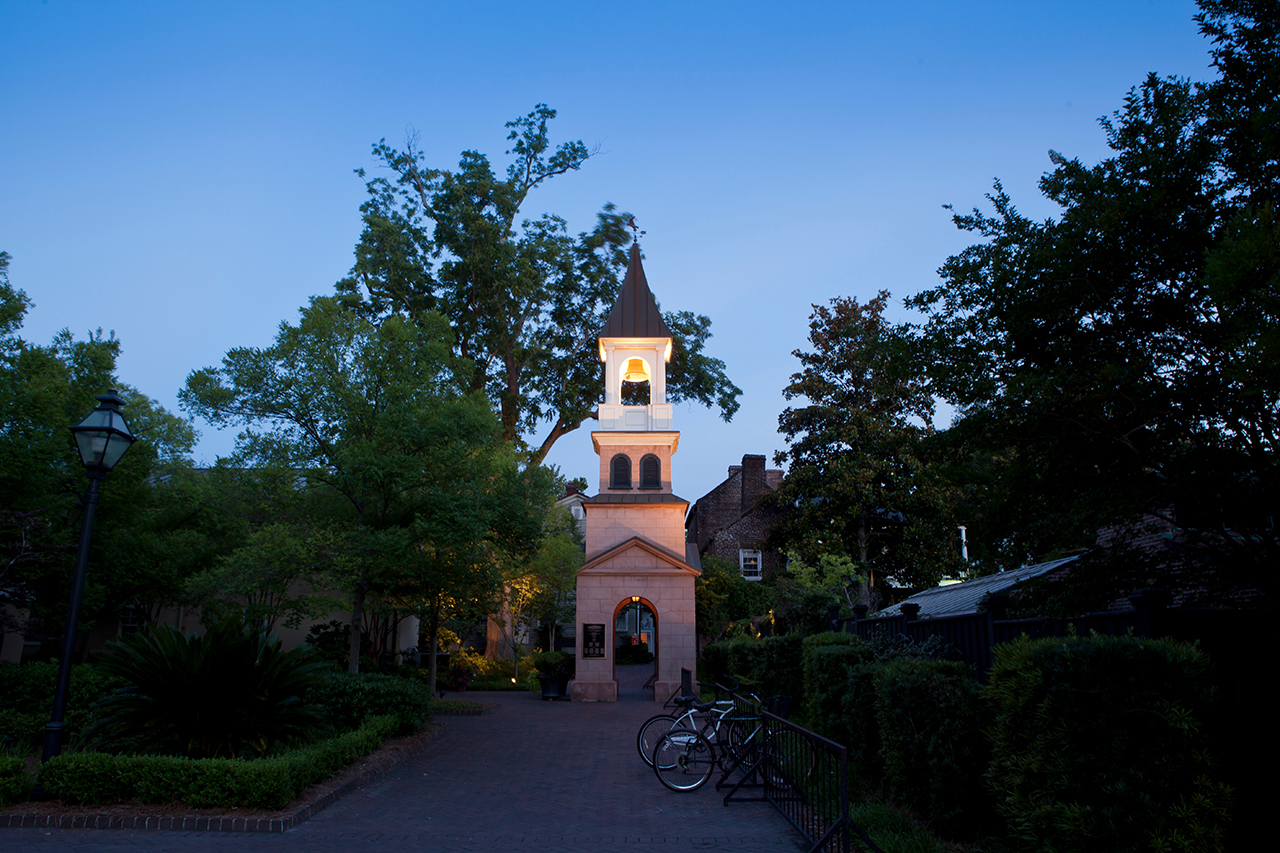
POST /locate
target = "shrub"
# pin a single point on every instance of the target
(1098, 744)
(26, 700)
(490, 674)
(347, 701)
(768, 665)
(229, 693)
(931, 716)
(15, 782)
(827, 659)
(265, 783)
(558, 664)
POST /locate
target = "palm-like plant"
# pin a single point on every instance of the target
(232, 693)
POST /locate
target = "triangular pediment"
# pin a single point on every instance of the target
(637, 556)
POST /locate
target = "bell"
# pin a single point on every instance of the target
(636, 371)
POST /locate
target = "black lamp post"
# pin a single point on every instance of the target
(102, 438)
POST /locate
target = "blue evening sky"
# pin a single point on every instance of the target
(181, 173)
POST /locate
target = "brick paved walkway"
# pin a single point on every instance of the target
(530, 775)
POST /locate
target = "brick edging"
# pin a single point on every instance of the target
(192, 823)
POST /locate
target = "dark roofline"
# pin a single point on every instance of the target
(635, 314)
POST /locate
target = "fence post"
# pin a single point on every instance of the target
(992, 606)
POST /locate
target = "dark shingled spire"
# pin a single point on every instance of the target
(635, 314)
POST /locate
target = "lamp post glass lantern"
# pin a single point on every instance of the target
(102, 438)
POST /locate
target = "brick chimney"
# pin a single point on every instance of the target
(753, 481)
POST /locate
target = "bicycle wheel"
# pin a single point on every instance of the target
(683, 760)
(789, 761)
(744, 735)
(651, 731)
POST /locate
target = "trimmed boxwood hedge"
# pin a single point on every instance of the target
(931, 717)
(771, 666)
(264, 783)
(826, 683)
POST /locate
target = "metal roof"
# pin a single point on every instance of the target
(635, 314)
(964, 597)
(632, 498)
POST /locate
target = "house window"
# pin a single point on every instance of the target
(749, 563)
(650, 472)
(620, 472)
(131, 620)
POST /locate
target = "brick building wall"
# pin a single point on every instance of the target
(728, 519)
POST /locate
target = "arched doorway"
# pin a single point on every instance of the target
(635, 647)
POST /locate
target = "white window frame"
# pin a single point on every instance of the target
(748, 557)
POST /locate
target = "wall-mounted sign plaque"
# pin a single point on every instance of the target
(592, 641)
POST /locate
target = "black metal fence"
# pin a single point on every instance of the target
(800, 773)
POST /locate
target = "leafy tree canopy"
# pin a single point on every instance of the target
(45, 389)
(524, 298)
(1121, 357)
(860, 483)
(370, 411)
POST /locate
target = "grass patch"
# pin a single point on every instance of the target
(892, 828)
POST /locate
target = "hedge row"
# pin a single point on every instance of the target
(769, 666)
(1092, 741)
(265, 783)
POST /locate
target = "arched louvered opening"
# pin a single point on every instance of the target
(650, 472)
(620, 472)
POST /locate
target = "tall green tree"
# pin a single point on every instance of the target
(371, 411)
(524, 297)
(44, 389)
(860, 483)
(1121, 357)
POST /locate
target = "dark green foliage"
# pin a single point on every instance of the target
(230, 693)
(1122, 357)
(858, 704)
(15, 782)
(265, 783)
(931, 716)
(331, 641)
(1098, 744)
(524, 298)
(827, 659)
(558, 664)
(860, 481)
(722, 597)
(26, 700)
(858, 711)
(798, 609)
(348, 700)
(770, 666)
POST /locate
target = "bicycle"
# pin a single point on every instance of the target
(684, 758)
(656, 726)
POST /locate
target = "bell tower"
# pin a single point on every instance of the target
(635, 524)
